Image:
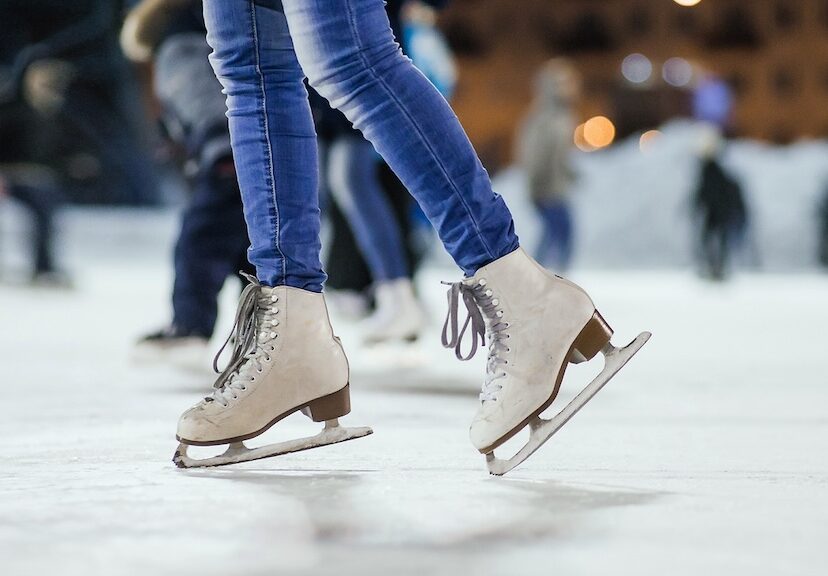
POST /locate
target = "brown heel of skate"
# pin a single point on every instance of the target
(592, 339)
(331, 406)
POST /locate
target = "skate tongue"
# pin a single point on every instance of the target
(451, 338)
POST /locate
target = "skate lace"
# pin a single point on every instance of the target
(481, 305)
(252, 336)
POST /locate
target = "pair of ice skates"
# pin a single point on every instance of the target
(286, 358)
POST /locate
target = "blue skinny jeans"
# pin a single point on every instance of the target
(555, 247)
(262, 50)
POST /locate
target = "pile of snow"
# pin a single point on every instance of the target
(632, 207)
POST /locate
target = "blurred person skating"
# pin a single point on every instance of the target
(212, 241)
(26, 174)
(35, 187)
(285, 355)
(822, 218)
(720, 205)
(545, 147)
(351, 172)
(349, 178)
(353, 180)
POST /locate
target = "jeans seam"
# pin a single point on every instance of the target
(393, 97)
(277, 244)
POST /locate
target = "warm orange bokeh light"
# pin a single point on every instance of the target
(599, 132)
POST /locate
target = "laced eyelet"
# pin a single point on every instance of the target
(273, 348)
(243, 388)
(268, 358)
(259, 370)
(273, 334)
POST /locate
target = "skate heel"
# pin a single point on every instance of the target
(331, 406)
(592, 339)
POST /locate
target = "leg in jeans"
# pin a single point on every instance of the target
(555, 249)
(274, 142)
(348, 52)
(285, 356)
(354, 182)
(207, 252)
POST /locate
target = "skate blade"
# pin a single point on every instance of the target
(542, 430)
(237, 452)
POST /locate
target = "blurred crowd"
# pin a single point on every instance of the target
(99, 98)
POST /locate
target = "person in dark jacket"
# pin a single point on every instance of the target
(720, 204)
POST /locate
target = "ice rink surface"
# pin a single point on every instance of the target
(707, 454)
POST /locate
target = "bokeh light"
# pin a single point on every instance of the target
(637, 68)
(687, 2)
(648, 140)
(677, 72)
(580, 141)
(598, 132)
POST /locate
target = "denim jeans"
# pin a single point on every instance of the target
(210, 248)
(354, 182)
(262, 49)
(555, 247)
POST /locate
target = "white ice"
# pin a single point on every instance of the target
(707, 454)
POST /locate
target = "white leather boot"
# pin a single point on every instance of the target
(536, 323)
(285, 359)
(397, 316)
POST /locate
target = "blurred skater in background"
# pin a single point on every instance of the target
(371, 198)
(544, 151)
(36, 187)
(212, 241)
(26, 177)
(372, 254)
(719, 204)
(822, 217)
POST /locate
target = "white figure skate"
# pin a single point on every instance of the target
(398, 317)
(536, 323)
(285, 359)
